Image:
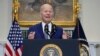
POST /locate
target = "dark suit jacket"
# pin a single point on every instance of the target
(39, 32)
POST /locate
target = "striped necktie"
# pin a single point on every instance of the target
(46, 32)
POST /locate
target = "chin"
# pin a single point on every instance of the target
(47, 21)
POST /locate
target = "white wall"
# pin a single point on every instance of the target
(5, 22)
(90, 18)
(5, 18)
(1, 50)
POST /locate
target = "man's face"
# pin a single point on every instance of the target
(47, 13)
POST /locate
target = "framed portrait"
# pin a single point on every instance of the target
(27, 11)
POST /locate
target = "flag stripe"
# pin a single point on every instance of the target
(14, 40)
(7, 53)
(9, 50)
(21, 48)
(19, 51)
(17, 54)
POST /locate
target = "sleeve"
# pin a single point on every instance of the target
(31, 29)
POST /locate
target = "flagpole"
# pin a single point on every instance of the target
(15, 7)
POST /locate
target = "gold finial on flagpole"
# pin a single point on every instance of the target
(76, 8)
(15, 7)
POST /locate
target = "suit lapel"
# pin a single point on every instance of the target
(53, 31)
(41, 31)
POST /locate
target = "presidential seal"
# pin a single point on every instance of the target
(51, 50)
(84, 50)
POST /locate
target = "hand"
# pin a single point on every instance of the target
(31, 35)
(65, 35)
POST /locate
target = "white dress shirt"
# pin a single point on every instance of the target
(49, 26)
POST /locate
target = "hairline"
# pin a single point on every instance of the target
(42, 6)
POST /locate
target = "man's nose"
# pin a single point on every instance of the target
(48, 13)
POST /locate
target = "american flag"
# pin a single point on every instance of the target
(13, 46)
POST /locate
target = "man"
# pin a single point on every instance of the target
(46, 29)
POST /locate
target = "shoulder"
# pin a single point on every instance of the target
(58, 27)
(33, 28)
(59, 31)
(36, 25)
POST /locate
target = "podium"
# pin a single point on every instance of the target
(50, 48)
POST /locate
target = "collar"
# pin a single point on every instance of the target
(49, 25)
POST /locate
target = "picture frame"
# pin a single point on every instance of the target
(26, 12)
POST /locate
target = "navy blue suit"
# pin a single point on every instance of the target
(40, 35)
